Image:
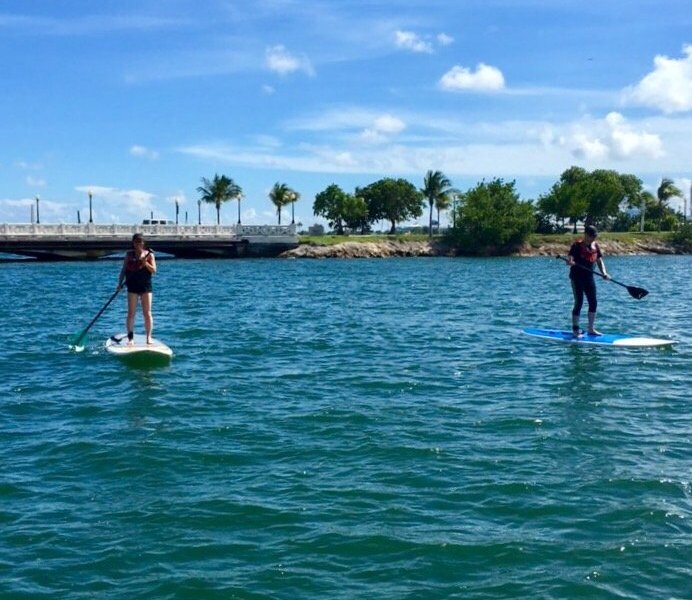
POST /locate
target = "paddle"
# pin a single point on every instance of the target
(635, 292)
(77, 342)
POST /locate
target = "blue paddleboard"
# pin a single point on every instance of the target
(606, 339)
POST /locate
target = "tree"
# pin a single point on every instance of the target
(217, 191)
(330, 204)
(556, 203)
(565, 200)
(355, 214)
(341, 210)
(442, 203)
(392, 199)
(435, 186)
(664, 193)
(593, 197)
(604, 193)
(648, 206)
(281, 195)
(491, 218)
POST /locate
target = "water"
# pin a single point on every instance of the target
(345, 429)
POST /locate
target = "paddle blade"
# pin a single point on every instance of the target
(77, 344)
(637, 292)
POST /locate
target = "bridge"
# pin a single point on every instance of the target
(92, 241)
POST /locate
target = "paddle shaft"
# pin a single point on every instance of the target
(98, 314)
(635, 292)
(591, 271)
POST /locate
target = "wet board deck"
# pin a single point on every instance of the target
(139, 349)
(606, 339)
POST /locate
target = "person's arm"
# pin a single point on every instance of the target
(149, 262)
(570, 256)
(601, 267)
(121, 276)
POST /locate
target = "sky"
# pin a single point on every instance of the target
(135, 102)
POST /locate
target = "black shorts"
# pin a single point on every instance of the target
(139, 289)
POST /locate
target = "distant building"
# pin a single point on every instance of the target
(316, 229)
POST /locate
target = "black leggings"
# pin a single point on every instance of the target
(581, 288)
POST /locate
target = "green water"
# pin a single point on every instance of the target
(345, 429)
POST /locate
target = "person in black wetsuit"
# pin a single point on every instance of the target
(583, 256)
(138, 267)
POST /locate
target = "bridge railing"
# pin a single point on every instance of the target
(36, 230)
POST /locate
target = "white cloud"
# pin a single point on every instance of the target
(583, 146)
(19, 210)
(266, 141)
(35, 181)
(143, 152)
(486, 78)
(444, 40)
(125, 204)
(249, 216)
(178, 197)
(17, 202)
(412, 41)
(27, 166)
(382, 128)
(268, 90)
(611, 138)
(668, 87)
(281, 61)
(89, 25)
(506, 148)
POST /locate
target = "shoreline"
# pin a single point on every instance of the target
(398, 248)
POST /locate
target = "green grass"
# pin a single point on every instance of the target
(330, 240)
(536, 239)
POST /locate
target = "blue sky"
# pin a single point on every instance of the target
(136, 101)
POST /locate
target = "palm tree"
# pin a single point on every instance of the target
(217, 191)
(646, 203)
(665, 192)
(280, 195)
(435, 185)
(442, 203)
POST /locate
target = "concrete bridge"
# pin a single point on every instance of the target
(91, 241)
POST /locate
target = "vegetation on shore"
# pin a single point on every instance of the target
(490, 218)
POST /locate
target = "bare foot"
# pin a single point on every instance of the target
(594, 332)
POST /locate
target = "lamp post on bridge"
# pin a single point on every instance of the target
(177, 210)
(292, 197)
(240, 197)
(199, 212)
(91, 220)
(38, 217)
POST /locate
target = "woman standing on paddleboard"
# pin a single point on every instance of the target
(138, 267)
(583, 256)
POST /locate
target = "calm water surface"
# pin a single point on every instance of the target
(345, 429)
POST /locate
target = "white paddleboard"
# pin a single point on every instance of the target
(118, 345)
(606, 339)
